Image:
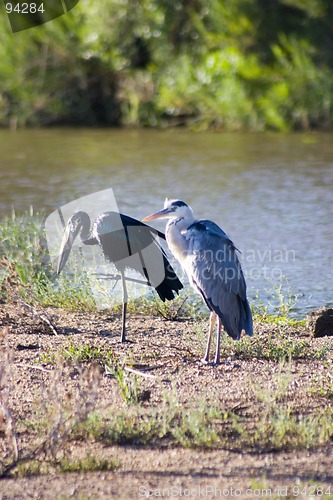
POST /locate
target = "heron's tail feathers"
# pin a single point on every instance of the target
(235, 315)
(247, 319)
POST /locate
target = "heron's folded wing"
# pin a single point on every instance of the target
(214, 269)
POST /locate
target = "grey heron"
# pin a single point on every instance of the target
(209, 258)
(120, 237)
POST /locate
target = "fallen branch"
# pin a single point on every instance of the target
(137, 372)
(34, 367)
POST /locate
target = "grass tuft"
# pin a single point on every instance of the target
(86, 354)
(128, 384)
(87, 464)
(323, 384)
(273, 348)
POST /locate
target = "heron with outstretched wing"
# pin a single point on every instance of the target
(120, 237)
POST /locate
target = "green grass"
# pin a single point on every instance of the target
(87, 464)
(78, 355)
(187, 304)
(271, 424)
(279, 304)
(65, 465)
(199, 425)
(86, 354)
(128, 383)
(323, 384)
(281, 429)
(189, 427)
(269, 348)
(280, 321)
(266, 420)
(25, 270)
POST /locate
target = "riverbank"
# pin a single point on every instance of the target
(89, 417)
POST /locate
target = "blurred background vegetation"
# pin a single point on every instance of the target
(224, 64)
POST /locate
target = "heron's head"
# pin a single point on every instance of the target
(173, 209)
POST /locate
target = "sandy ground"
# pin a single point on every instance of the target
(170, 351)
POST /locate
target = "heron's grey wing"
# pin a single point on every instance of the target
(213, 229)
(214, 269)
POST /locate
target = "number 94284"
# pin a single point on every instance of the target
(24, 8)
(312, 490)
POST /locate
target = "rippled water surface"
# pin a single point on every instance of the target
(272, 194)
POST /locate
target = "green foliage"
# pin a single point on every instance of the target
(190, 426)
(86, 464)
(278, 427)
(281, 300)
(20, 242)
(308, 101)
(212, 90)
(26, 272)
(233, 65)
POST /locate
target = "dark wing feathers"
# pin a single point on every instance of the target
(129, 221)
(170, 283)
(120, 237)
(213, 266)
(137, 238)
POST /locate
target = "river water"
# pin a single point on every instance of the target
(271, 193)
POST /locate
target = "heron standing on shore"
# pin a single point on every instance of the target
(210, 261)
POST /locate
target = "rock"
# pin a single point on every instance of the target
(320, 322)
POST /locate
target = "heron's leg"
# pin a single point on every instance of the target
(212, 320)
(125, 297)
(218, 342)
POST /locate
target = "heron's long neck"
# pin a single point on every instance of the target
(175, 236)
(85, 227)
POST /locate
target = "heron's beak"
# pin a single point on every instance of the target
(65, 248)
(157, 215)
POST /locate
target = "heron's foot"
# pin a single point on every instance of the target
(206, 362)
(126, 341)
